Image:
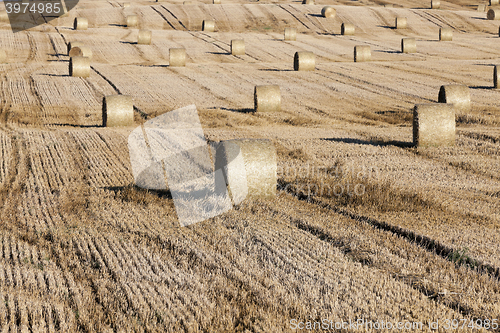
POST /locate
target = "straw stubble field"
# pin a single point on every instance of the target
(82, 249)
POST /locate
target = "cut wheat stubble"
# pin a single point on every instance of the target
(82, 51)
(328, 11)
(267, 98)
(3, 56)
(408, 45)
(493, 14)
(456, 94)
(117, 110)
(177, 57)
(290, 34)
(401, 23)
(4, 17)
(347, 29)
(304, 61)
(362, 53)
(249, 167)
(80, 23)
(237, 47)
(433, 125)
(144, 37)
(445, 34)
(132, 21)
(79, 66)
(208, 26)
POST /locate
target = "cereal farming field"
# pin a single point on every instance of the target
(364, 224)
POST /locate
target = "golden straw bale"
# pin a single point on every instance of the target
(81, 23)
(177, 57)
(408, 45)
(433, 125)
(304, 61)
(117, 110)
(83, 51)
(144, 37)
(445, 34)
(401, 23)
(455, 94)
(267, 98)
(79, 66)
(362, 53)
(237, 47)
(132, 21)
(290, 34)
(493, 14)
(347, 29)
(328, 11)
(435, 4)
(208, 26)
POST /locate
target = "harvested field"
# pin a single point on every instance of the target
(364, 225)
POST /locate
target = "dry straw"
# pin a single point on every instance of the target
(435, 4)
(144, 37)
(79, 66)
(347, 29)
(481, 8)
(83, 51)
(493, 14)
(267, 98)
(3, 56)
(308, 2)
(494, 2)
(362, 53)
(433, 125)
(304, 61)
(4, 17)
(81, 23)
(401, 22)
(495, 77)
(237, 47)
(255, 174)
(126, 4)
(117, 110)
(132, 21)
(177, 57)
(408, 45)
(445, 34)
(208, 26)
(455, 94)
(290, 34)
(328, 11)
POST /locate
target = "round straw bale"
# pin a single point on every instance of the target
(126, 4)
(117, 110)
(237, 47)
(177, 57)
(445, 34)
(328, 11)
(83, 51)
(132, 21)
(304, 61)
(79, 66)
(144, 37)
(435, 4)
(494, 2)
(267, 98)
(481, 8)
(455, 94)
(81, 23)
(347, 29)
(408, 45)
(308, 2)
(249, 167)
(495, 77)
(362, 53)
(493, 14)
(216, 2)
(433, 125)
(4, 17)
(74, 44)
(401, 22)
(290, 34)
(208, 26)
(3, 56)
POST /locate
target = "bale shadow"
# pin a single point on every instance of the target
(74, 125)
(275, 70)
(483, 87)
(56, 75)
(162, 194)
(383, 51)
(130, 43)
(243, 110)
(401, 144)
(386, 27)
(315, 15)
(118, 25)
(480, 18)
(220, 53)
(58, 54)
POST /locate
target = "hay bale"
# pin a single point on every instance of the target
(79, 66)
(208, 26)
(362, 53)
(4, 17)
(249, 167)
(328, 11)
(304, 61)
(132, 21)
(481, 8)
(493, 14)
(144, 37)
(177, 57)
(433, 125)
(117, 110)
(82, 51)
(267, 98)
(495, 77)
(81, 23)
(74, 44)
(408, 45)
(237, 47)
(3, 56)
(290, 34)
(455, 94)
(308, 2)
(435, 4)
(445, 34)
(494, 2)
(347, 29)
(401, 23)
(126, 4)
